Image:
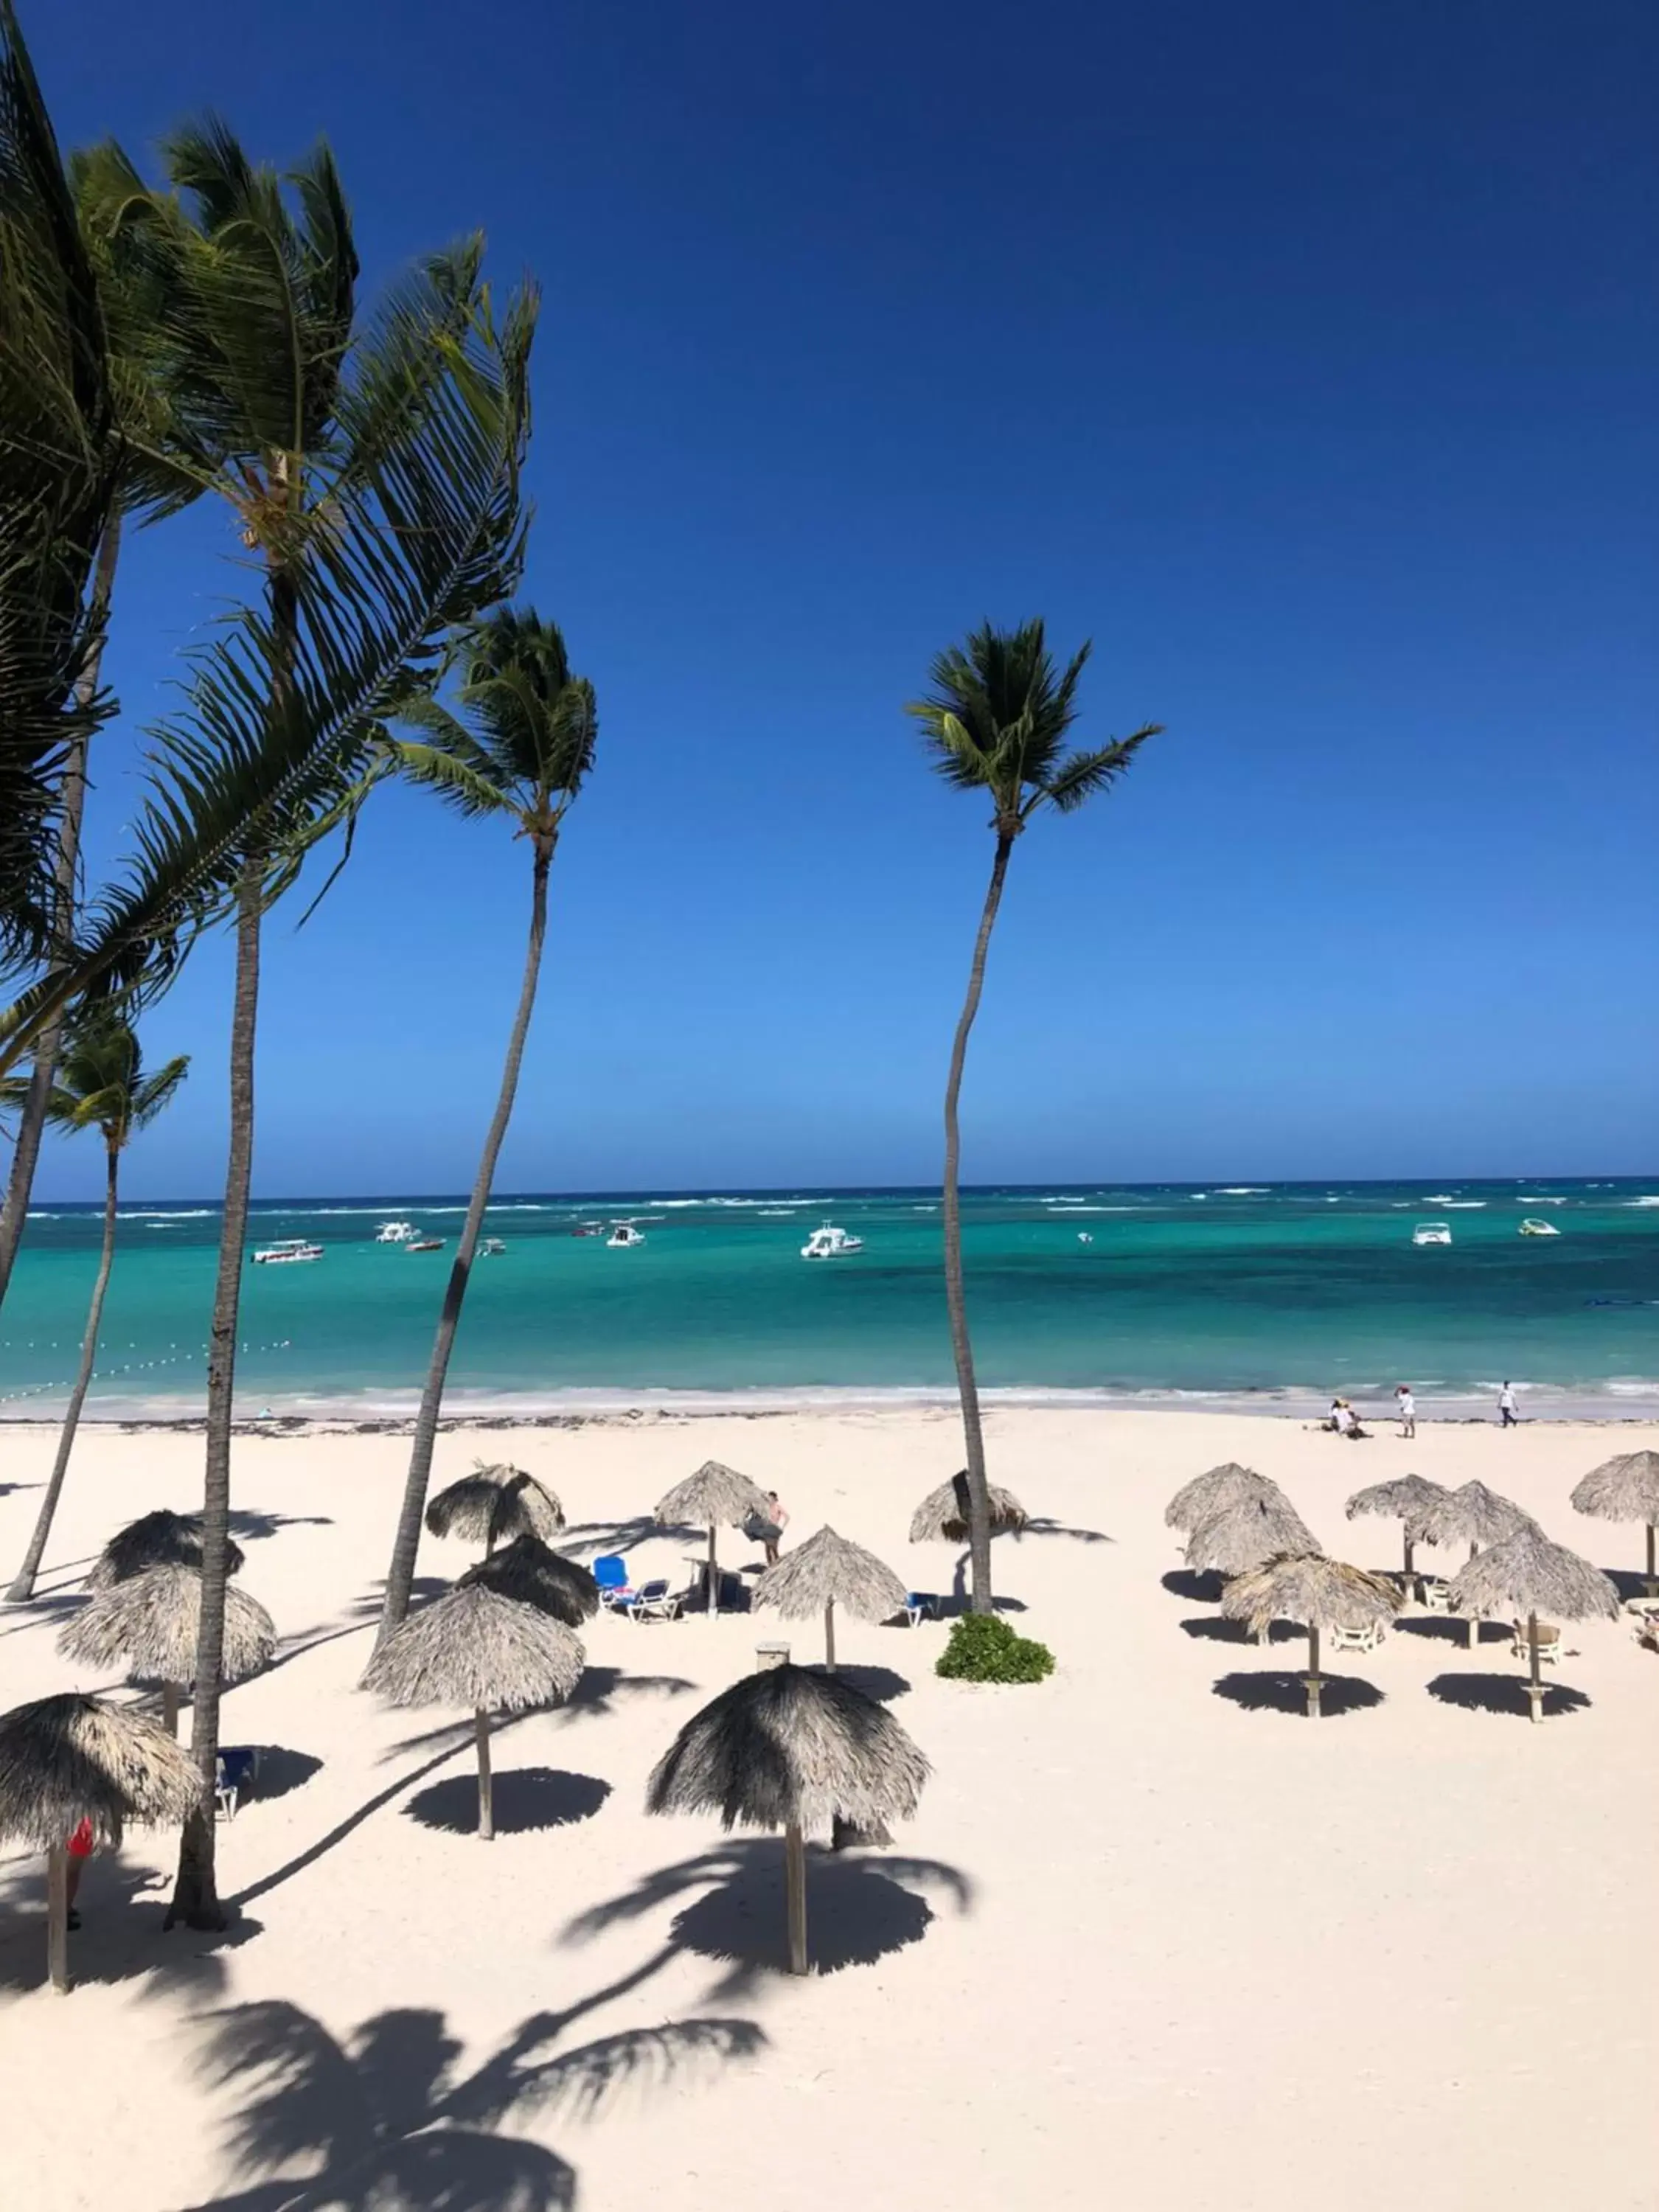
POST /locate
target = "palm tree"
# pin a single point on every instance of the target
(112, 429)
(996, 720)
(519, 750)
(100, 1086)
(373, 473)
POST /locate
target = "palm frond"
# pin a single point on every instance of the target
(460, 781)
(1078, 776)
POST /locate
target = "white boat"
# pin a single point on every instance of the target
(1084, 1237)
(1532, 1227)
(287, 1252)
(1432, 1232)
(491, 1248)
(623, 1237)
(830, 1243)
(396, 1232)
(424, 1244)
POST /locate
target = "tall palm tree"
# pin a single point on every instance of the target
(519, 749)
(101, 1086)
(373, 473)
(114, 427)
(996, 720)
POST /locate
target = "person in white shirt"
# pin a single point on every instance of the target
(1506, 1407)
(1407, 1410)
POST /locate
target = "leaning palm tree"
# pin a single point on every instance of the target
(374, 472)
(100, 1085)
(996, 722)
(153, 467)
(519, 749)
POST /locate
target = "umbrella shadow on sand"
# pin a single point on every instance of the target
(387, 2116)
(1454, 1628)
(528, 1800)
(1212, 1627)
(121, 1907)
(861, 1910)
(881, 1683)
(1504, 1693)
(1271, 1692)
(1196, 1589)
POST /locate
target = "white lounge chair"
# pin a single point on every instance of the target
(651, 1601)
(1437, 1594)
(1355, 1639)
(1549, 1641)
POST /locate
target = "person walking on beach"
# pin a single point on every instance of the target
(779, 1521)
(1506, 1407)
(1407, 1409)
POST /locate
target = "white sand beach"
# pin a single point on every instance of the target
(1144, 1946)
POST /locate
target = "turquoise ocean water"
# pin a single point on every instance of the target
(1284, 1294)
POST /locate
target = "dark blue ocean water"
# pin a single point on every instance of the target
(1301, 1289)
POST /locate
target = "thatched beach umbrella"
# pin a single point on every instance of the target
(1408, 1499)
(1209, 1493)
(1479, 1516)
(1527, 1574)
(161, 1538)
(528, 1571)
(1320, 1593)
(792, 1749)
(714, 1498)
(827, 1571)
(942, 1515)
(472, 1647)
(1247, 1534)
(1624, 1489)
(70, 1758)
(493, 1504)
(149, 1624)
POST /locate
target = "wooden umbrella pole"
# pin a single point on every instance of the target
(1536, 1687)
(713, 1575)
(57, 1917)
(1653, 1574)
(486, 1780)
(795, 1879)
(1313, 1673)
(829, 1638)
(170, 1707)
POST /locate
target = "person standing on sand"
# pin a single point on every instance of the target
(1506, 1407)
(80, 1851)
(1407, 1409)
(779, 1522)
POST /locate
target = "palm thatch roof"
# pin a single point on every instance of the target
(69, 1759)
(1248, 1533)
(149, 1623)
(1205, 1494)
(942, 1513)
(156, 1540)
(475, 1648)
(528, 1571)
(1406, 1498)
(1622, 1489)
(1474, 1513)
(1320, 1593)
(827, 1570)
(1526, 1573)
(788, 1746)
(715, 1496)
(493, 1504)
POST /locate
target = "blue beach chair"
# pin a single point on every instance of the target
(611, 1573)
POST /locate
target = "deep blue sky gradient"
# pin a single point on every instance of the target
(1304, 357)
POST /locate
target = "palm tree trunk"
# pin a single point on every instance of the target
(195, 1897)
(14, 1214)
(486, 1780)
(400, 1575)
(22, 1585)
(979, 1501)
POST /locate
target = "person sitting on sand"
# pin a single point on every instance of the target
(1333, 1420)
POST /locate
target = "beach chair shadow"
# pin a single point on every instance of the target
(1504, 1693)
(1272, 1692)
(1452, 1628)
(527, 1801)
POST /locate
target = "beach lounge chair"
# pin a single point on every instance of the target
(651, 1601)
(238, 1769)
(1549, 1641)
(1437, 1594)
(611, 1573)
(1355, 1639)
(919, 1605)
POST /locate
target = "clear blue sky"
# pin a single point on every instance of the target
(1303, 356)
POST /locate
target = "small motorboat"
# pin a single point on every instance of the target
(287, 1252)
(1432, 1232)
(1084, 1237)
(1533, 1227)
(623, 1237)
(491, 1248)
(830, 1243)
(396, 1232)
(424, 1244)
(589, 1228)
